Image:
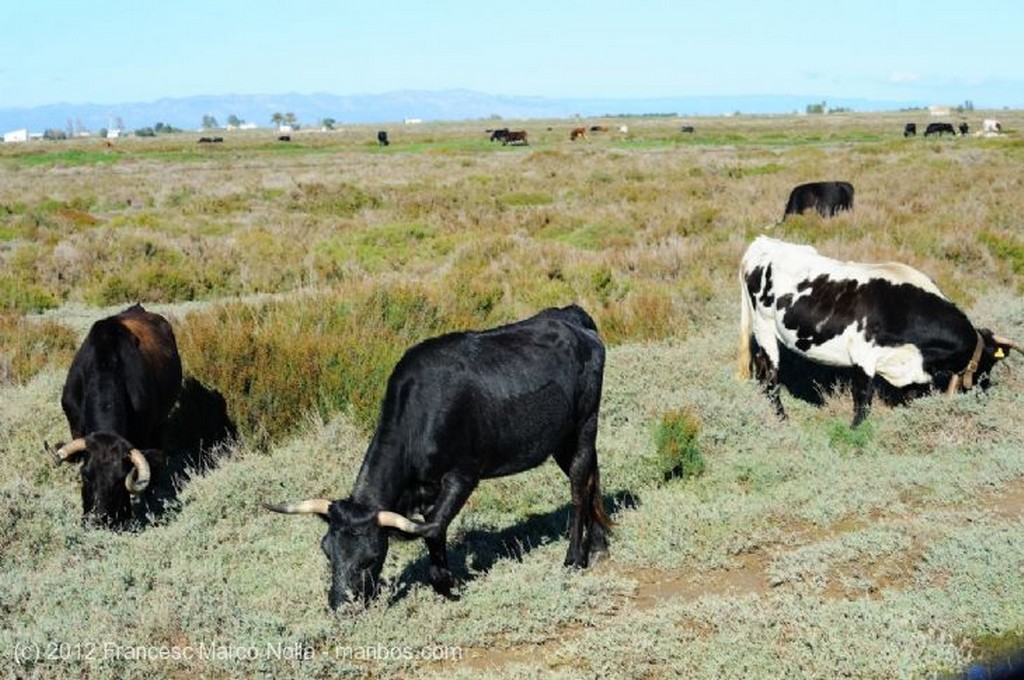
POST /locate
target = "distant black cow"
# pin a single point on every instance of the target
(382, 138)
(910, 129)
(939, 129)
(206, 140)
(284, 138)
(827, 198)
(460, 408)
(964, 128)
(687, 129)
(499, 135)
(121, 386)
(515, 137)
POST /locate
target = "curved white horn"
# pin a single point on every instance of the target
(1000, 340)
(386, 518)
(138, 479)
(314, 506)
(69, 449)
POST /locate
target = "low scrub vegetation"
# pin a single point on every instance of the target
(295, 275)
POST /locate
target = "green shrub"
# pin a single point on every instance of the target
(677, 445)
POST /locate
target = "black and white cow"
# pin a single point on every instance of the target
(382, 138)
(910, 129)
(887, 320)
(458, 409)
(827, 198)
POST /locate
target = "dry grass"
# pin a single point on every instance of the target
(296, 274)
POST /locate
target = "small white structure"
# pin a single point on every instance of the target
(938, 110)
(413, 121)
(16, 136)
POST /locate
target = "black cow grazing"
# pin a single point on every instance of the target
(499, 135)
(827, 198)
(964, 128)
(886, 320)
(464, 407)
(120, 388)
(910, 129)
(939, 129)
(515, 137)
(284, 138)
(382, 138)
(687, 129)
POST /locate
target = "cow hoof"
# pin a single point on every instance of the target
(598, 556)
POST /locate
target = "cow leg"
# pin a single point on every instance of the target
(767, 374)
(455, 490)
(440, 575)
(863, 391)
(579, 462)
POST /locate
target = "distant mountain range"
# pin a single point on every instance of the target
(448, 105)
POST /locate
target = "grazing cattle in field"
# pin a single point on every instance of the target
(827, 198)
(284, 138)
(991, 126)
(120, 388)
(886, 320)
(688, 129)
(460, 408)
(515, 137)
(382, 138)
(206, 140)
(939, 129)
(910, 129)
(499, 135)
(964, 128)
(578, 133)
(598, 128)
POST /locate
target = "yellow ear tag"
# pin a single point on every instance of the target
(999, 353)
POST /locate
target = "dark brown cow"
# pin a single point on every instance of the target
(120, 388)
(515, 137)
(578, 133)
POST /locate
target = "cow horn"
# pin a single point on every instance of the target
(386, 518)
(999, 340)
(71, 448)
(315, 506)
(138, 479)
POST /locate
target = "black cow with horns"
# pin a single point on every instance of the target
(460, 408)
(119, 390)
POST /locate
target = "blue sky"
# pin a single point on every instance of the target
(115, 51)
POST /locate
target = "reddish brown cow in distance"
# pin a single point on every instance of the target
(120, 388)
(515, 137)
(578, 133)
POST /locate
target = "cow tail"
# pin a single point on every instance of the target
(746, 314)
(597, 512)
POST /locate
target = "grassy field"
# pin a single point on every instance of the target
(295, 274)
